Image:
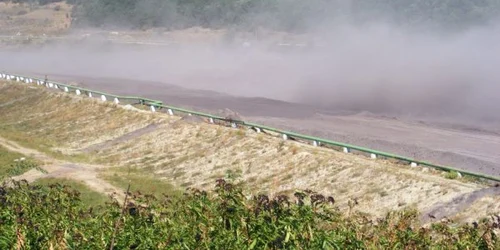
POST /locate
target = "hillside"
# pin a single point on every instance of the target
(107, 146)
(34, 19)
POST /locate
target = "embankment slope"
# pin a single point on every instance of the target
(188, 152)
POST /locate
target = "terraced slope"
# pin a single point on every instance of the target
(121, 144)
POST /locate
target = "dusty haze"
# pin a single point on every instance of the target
(377, 68)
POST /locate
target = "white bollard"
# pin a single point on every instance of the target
(27, 80)
(346, 150)
(211, 120)
(315, 143)
(413, 164)
(153, 109)
(31, 80)
(170, 112)
(51, 85)
(103, 98)
(78, 92)
(373, 156)
(8, 77)
(285, 137)
(116, 101)
(66, 89)
(56, 86)
(233, 125)
(18, 79)
(90, 94)
(258, 130)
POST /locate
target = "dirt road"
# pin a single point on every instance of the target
(465, 147)
(60, 169)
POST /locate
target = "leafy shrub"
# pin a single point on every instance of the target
(451, 175)
(41, 217)
(20, 167)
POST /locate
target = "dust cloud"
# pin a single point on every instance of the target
(378, 68)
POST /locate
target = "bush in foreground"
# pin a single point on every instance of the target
(44, 217)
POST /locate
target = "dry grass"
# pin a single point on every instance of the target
(55, 123)
(34, 19)
(195, 154)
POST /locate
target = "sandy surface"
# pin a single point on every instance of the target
(464, 147)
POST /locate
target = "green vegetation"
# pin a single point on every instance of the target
(12, 163)
(141, 182)
(87, 196)
(288, 15)
(451, 175)
(54, 217)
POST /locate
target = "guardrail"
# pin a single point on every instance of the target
(155, 105)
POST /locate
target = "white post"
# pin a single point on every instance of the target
(27, 80)
(66, 89)
(17, 79)
(315, 143)
(116, 101)
(170, 112)
(211, 120)
(78, 92)
(103, 98)
(153, 109)
(373, 156)
(31, 80)
(285, 137)
(56, 86)
(51, 85)
(413, 164)
(346, 150)
(258, 130)
(90, 94)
